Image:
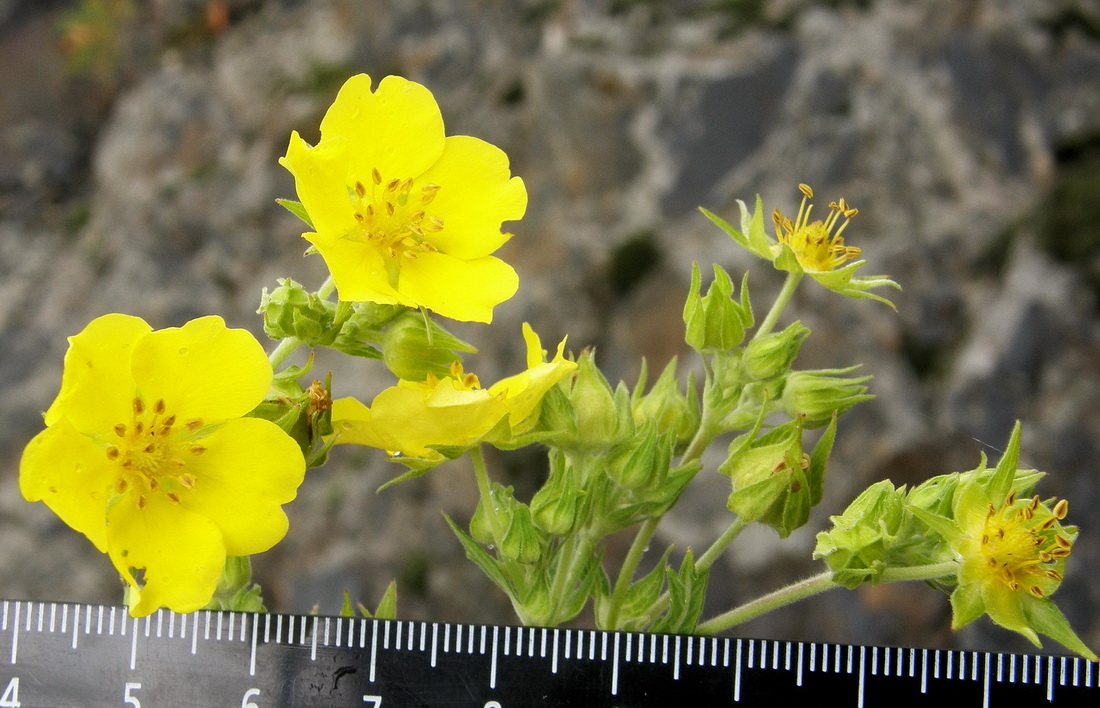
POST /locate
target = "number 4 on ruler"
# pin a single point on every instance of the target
(10, 699)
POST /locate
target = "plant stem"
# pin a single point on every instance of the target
(811, 586)
(630, 566)
(721, 543)
(781, 300)
(326, 288)
(284, 349)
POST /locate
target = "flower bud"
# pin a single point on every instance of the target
(554, 506)
(772, 355)
(481, 528)
(290, 311)
(595, 413)
(816, 395)
(714, 322)
(666, 407)
(522, 542)
(643, 463)
(415, 345)
(856, 548)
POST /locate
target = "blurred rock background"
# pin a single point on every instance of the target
(138, 173)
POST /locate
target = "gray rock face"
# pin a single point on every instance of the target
(945, 123)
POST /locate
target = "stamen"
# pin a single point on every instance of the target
(193, 424)
(139, 406)
(159, 407)
(376, 175)
(120, 430)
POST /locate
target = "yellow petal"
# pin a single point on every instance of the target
(97, 389)
(320, 179)
(180, 552)
(461, 290)
(202, 370)
(249, 469)
(397, 130)
(477, 193)
(359, 271)
(72, 475)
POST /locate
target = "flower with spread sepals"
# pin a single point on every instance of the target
(147, 453)
(1011, 550)
(453, 411)
(402, 214)
(815, 248)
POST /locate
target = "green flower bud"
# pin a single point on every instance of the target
(595, 415)
(642, 463)
(771, 355)
(816, 395)
(554, 506)
(290, 311)
(856, 548)
(714, 322)
(481, 528)
(666, 407)
(415, 345)
(522, 542)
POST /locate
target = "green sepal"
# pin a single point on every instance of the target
(481, 558)
(1046, 619)
(686, 593)
(297, 210)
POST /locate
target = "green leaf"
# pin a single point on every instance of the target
(481, 558)
(387, 606)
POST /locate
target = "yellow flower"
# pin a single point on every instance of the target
(402, 214)
(147, 454)
(814, 248)
(814, 244)
(414, 417)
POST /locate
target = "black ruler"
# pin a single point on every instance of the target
(58, 654)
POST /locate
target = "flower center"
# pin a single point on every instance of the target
(461, 380)
(151, 450)
(1022, 542)
(391, 216)
(814, 244)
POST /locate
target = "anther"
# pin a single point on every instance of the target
(806, 191)
(121, 485)
(193, 424)
(172, 497)
(392, 185)
(390, 208)
(376, 175)
(120, 430)
(197, 449)
(139, 407)
(141, 501)
(169, 421)
(159, 407)
(1061, 509)
(360, 189)
(187, 480)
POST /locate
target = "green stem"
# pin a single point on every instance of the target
(284, 349)
(781, 300)
(326, 288)
(720, 544)
(630, 566)
(481, 473)
(811, 586)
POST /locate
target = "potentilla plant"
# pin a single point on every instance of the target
(179, 481)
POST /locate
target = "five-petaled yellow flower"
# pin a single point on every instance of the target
(454, 411)
(404, 215)
(147, 454)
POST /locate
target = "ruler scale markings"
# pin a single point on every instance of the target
(664, 649)
(603, 648)
(507, 640)
(493, 661)
(160, 622)
(775, 655)
(279, 629)
(313, 641)
(252, 651)
(798, 673)
(133, 646)
(653, 648)
(267, 628)
(851, 657)
(1000, 667)
(786, 660)
(481, 644)
(874, 661)
(985, 682)
(99, 622)
(1024, 670)
(950, 664)
(435, 636)
(194, 633)
(592, 644)
(397, 640)
(64, 617)
(629, 647)
(386, 635)
(243, 626)
(1012, 668)
(900, 668)
(568, 643)
(1050, 679)
(1062, 672)
(554, 661)
(363, 633)
(825, 658)
(924, 671)
(615, 664)
(15, 635)
(447, 638)
(41, 614)
(1076, 666)
(76, 624)
(327, 623)
(458, 639)
(676, 659)
(737, 674)
(752, 653)
(218, 629)
(172, 624)
(423, 636)
(714, 652)
(53, 615)
(862, 672)
(725, 653)
(88, 621)
(373, 649)
(542, 645)
(531, 643)
(339, 631)
(412, 635)
(206, 626)
(813, 657)
(471, 635)
(4, 625)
